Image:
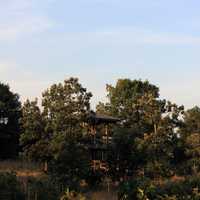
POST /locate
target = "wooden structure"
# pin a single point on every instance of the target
(99, 139)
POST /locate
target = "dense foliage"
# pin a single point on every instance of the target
(10, 112)
(153, 151)
(53, 135)
(10, 187)
(144, 189)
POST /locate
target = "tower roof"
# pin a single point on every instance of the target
(96, 119)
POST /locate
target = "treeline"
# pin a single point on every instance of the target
(155, 148)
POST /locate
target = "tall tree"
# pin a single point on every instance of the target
(54, 134)
(148, 138)
(192, 121)
(65, 107)
(190, 135)
(10, 111)
(33, 138)
(135, 102)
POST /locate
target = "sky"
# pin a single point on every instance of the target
(99, 41)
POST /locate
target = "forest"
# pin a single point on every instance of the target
(152, 150)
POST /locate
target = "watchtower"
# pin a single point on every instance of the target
(100, 139)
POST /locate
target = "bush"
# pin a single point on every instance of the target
(10, 187)
(183, 190)
(188, 189)
(71, 165)
(43, 188)
(138, 189)
(72, 196)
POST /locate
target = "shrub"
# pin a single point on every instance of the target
(10, 187)
(188, 189)
(138, 189)
(72, 196)
(43, 188)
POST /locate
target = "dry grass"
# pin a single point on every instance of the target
(21, 168)
(25, 170)
(103, 195)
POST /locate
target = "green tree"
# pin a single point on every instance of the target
(33, 138)
(65, 108)
(71, 165)
(137, 104)
(126, 153)
(148, 137)
(190, 133)
(55, 133)
(10, 112)
(164, 148)
(126, 100)
(191, 121)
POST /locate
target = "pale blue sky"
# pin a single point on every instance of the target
(99, 41)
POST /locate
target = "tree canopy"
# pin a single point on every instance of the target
(10, 113)
(53, 134)
(154, 140)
